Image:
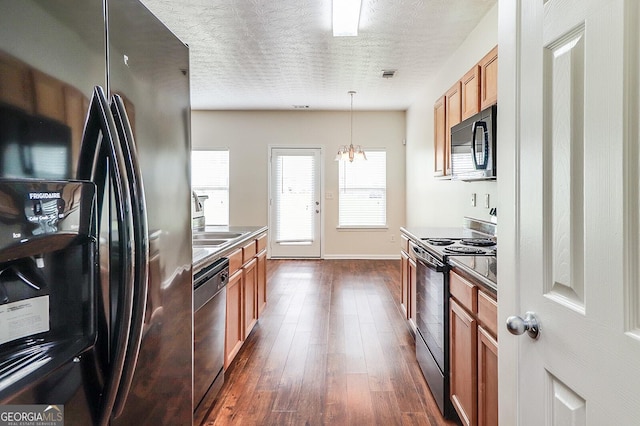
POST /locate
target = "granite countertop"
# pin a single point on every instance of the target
(205, 255)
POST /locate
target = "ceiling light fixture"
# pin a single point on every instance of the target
(350, 152)
(346, 17)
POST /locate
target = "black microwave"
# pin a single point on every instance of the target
(473, 147)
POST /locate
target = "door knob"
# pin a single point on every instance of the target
(516, 325)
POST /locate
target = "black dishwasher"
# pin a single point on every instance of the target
(209, 310)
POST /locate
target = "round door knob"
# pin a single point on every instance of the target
(517, 325)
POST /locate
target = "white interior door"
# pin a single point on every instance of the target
(294, 202)
(571, 239)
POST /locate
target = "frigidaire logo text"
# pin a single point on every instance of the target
(43, 195)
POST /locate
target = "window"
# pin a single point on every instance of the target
(210, 178)
(362, 187)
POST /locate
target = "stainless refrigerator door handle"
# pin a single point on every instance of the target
(141, 246)
(94, 155)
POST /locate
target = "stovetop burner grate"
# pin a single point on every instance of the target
(464, 250)
(477, 242)
(439, 241)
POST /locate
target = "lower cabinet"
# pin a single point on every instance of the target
(408, 281)
(463, 365)
(474, 352)
(262, 281)
(233, 326)
(487, 378)
(249, 287)
(246, 294)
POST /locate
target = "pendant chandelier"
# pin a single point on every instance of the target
(350, 152)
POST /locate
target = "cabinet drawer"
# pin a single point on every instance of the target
(464, 291)
(404, 243)
(488, 312)
(235, 261)
(261, 242)
(248, 251)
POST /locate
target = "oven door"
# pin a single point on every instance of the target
(432, 323)
(431, 316)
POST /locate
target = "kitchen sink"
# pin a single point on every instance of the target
(202, 242)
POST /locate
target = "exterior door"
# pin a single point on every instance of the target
(294, 202)
(568, 144)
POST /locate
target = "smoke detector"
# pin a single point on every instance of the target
(388, 73)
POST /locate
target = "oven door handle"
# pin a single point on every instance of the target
(429, 260)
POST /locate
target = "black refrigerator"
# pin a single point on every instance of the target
(95, 219)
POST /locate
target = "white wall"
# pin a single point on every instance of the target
(432, 202)
(249, 134)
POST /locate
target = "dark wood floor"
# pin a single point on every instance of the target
(331, 348)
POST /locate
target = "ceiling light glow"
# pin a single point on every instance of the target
(346, 17)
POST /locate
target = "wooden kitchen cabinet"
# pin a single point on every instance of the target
(473, 352)
(233, 325)
(463, 364)
(405, 282)
(49, 96)
(249, 288)
(475, 91)
(408, 281)
(16, 83)
(246, 293)
(453, 116)
(489, 79)
(261, 295)
(470, 87)
(441, 153)
(487, 378)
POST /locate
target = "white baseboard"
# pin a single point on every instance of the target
(361, 256)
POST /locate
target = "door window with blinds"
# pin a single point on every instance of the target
(210, 180)
(362, 188)
(295, 202)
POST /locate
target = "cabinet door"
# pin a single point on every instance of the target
(440, 137)
(453, 117)
(262, 282)
(404, 287)
(233, 326)
(463, 363)
(76, 106)
(49, 96)
(249, 292)
(16, 84)
(471, 92)
(487, 379)
(489, 79)
(412, 292)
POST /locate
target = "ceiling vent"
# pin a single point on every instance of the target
(388, 73)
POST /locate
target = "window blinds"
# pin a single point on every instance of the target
(363, 191)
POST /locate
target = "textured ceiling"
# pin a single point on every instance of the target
(274, 54)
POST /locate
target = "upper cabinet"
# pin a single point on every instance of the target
(471, 92)
(440, 136)
(489, 79)
(475, 91)
(453, 101)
